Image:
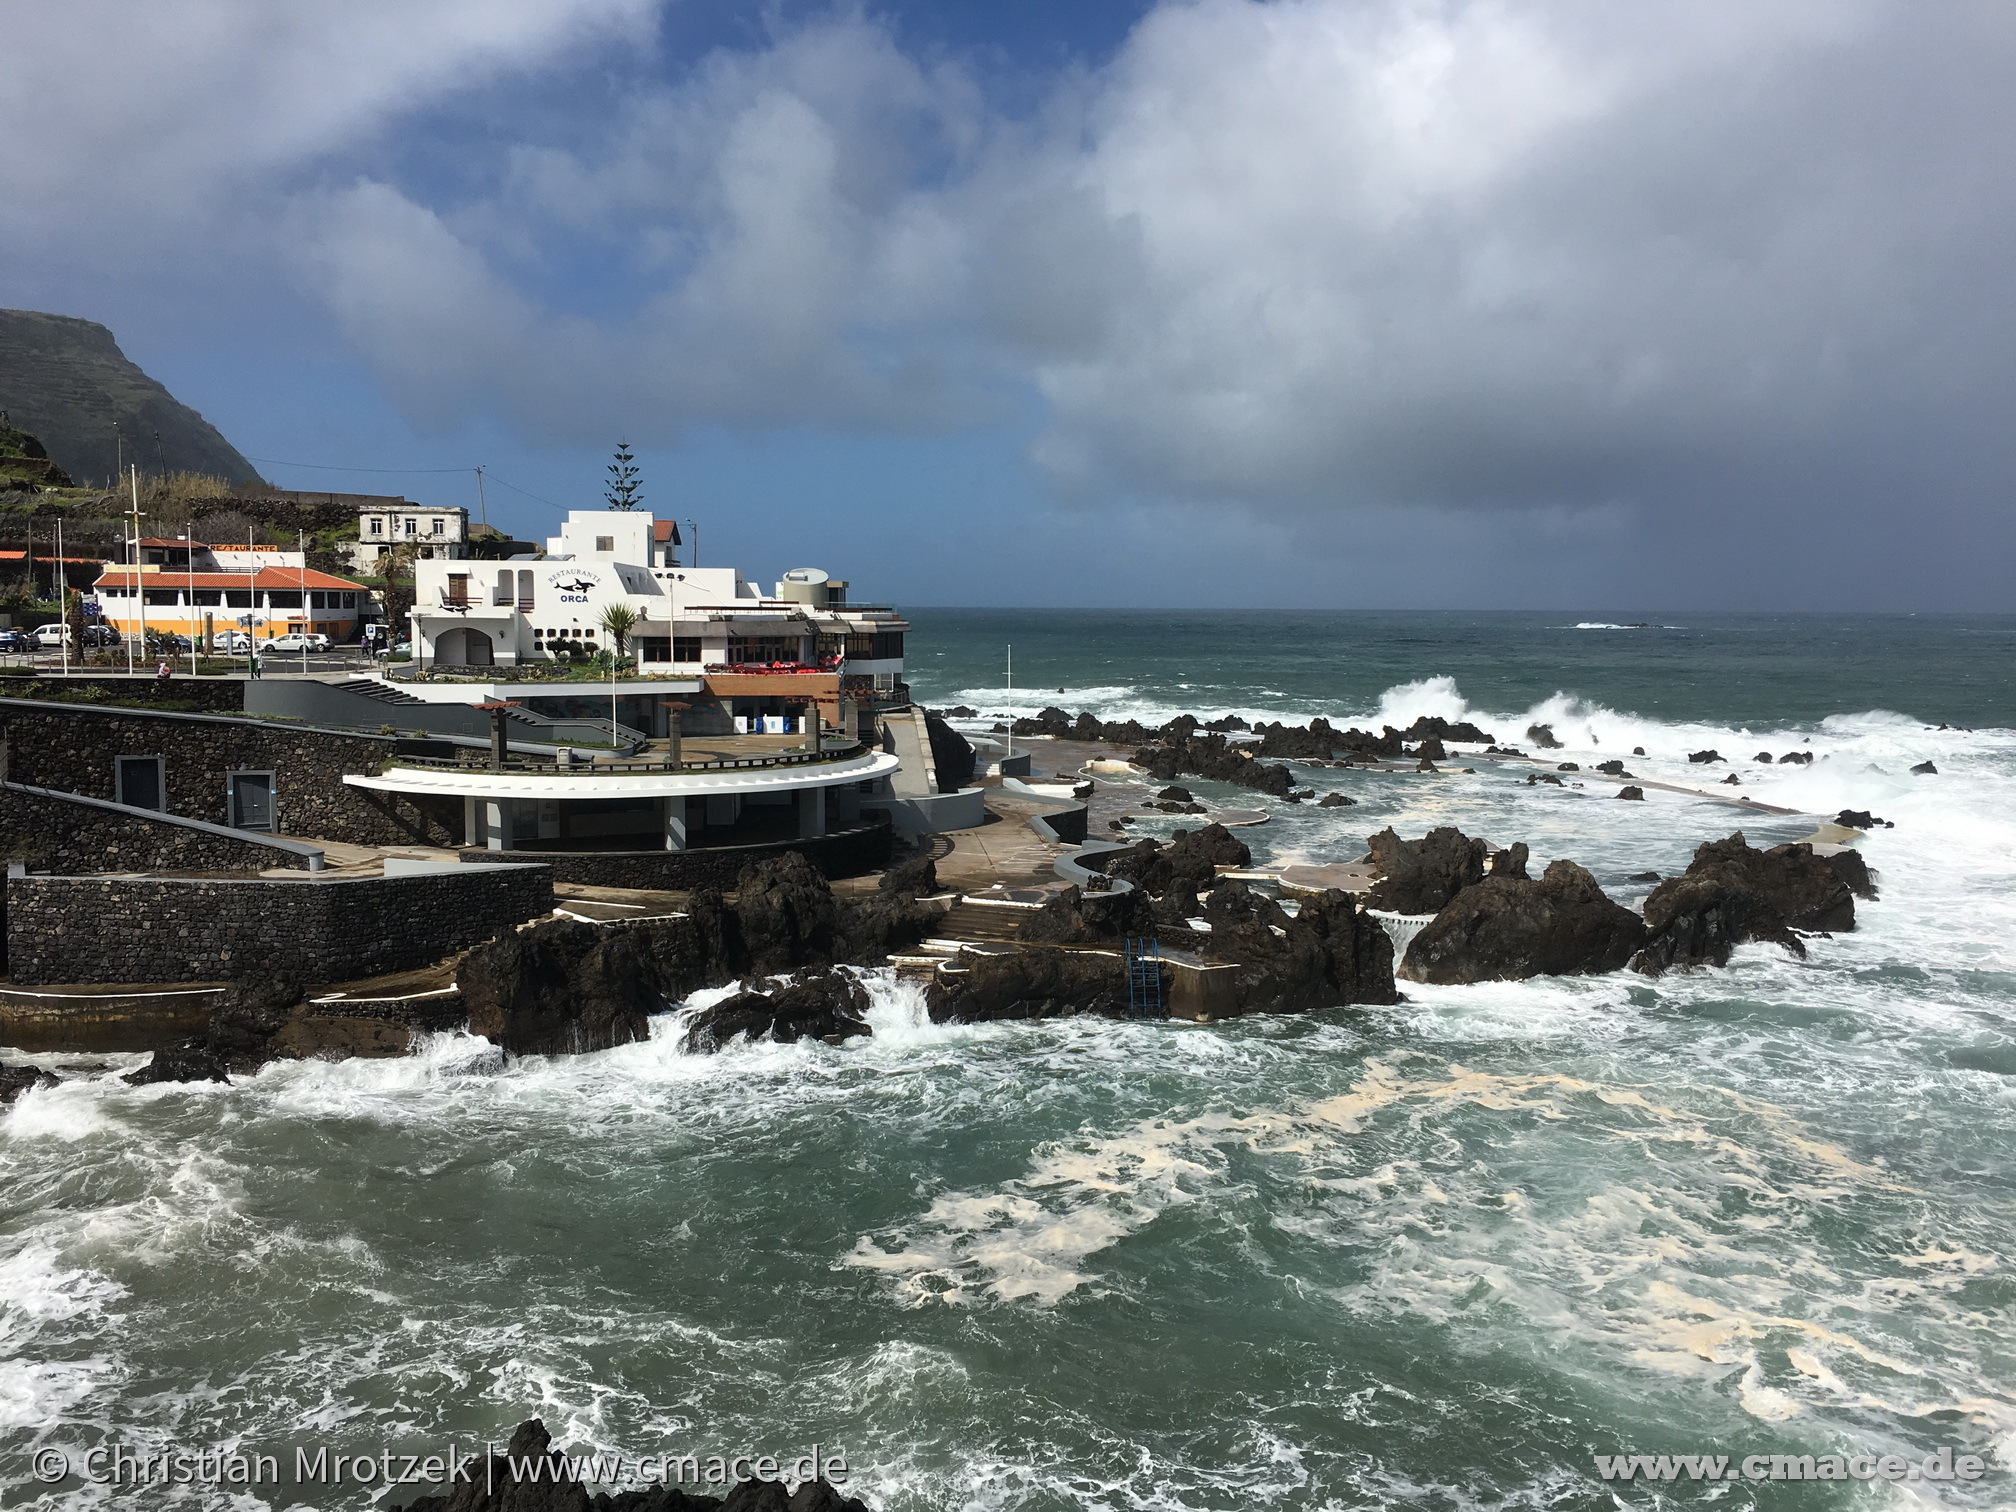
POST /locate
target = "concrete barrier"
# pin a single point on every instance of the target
(932, 813)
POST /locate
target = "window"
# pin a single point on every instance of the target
(685, 648)
(412, 526)
(458, 587)
(139, 782)
(434, 526)
(209, 598)
(763, 648)
(888, 645)
(160, 596)
(605, 543)
(377, 526)
(654, 648)
(238, 598)
(525, 594)
(283, 598)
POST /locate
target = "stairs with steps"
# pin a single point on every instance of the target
(380, 691)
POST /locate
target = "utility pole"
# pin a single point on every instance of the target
(62, 599)
(694, 526)
(482, 506)
(301, 541)
(139, 585)
(1011, 703)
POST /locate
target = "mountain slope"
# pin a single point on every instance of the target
(67, 381)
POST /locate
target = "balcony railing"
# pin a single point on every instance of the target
(480, 761)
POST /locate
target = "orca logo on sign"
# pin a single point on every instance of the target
(573, 587)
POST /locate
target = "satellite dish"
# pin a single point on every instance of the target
(806, 575)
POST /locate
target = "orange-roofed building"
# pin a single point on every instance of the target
(189, 588)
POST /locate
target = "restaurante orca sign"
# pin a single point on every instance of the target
(573, 585)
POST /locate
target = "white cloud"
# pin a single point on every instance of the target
(1300, 254)
(126, 117)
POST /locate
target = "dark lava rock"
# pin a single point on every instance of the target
(1568, 766)
(1176, 795)
(787, 915)
(1331, 952)
(1612, 768)
(561, 987)
(1732, 894)
(962, 712)
(1925, 769)
(1854, 872)
(1546, 777)
(1764, 757)
(14, 1080)
(1633, 792)
(829, 1005)
(532, 1476)
(998, 729)
(1186, 866)
(1510, 862)
(1420, 876)
(1426, 766)
(1543, 737)
(1434, 727)
(1732, 780)
(1212, 757)
(1644, 877)
(1336, 800)
(1027, 984)
(1637, 750)
(1431, 750)
(251, 1014)
(193, 1060)
(1800, 758)
(915, 878)
(1507, 929)
(1703, 758)
(1075, 917)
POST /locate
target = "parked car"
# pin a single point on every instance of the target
(15, 640)
(232, 642)
(166, 643)
(101, 636)
(318, 643)
(296, 643)
(53, 636)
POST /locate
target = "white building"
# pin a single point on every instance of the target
(436, 532)
(193, 588)
(704, 634)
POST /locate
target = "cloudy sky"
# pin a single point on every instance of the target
(1353, 303)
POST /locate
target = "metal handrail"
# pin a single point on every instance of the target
(481, 762)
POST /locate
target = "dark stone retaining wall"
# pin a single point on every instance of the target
(845, 853)
(164, 929)
(209, 695)
(72, 748)
(53, 834)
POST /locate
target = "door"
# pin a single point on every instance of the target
(252, 801)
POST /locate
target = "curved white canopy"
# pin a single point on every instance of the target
(581, 783)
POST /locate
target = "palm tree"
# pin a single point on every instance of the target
(619, 620)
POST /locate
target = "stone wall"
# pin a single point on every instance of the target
(845, 853)
(73, 748)
(54, 833)
(177, 929)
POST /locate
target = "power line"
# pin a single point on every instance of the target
(516, 489)
(326, 467)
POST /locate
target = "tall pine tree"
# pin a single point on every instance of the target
(622, 490)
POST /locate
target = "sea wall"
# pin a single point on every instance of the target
(73, 748)
(191, 929)
(844, 853)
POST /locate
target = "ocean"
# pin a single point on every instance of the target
(1434, 1256)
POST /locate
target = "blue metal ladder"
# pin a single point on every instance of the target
(1144, 978)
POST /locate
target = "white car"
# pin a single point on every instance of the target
(54, 635)
(296, 643)
(233, 642)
